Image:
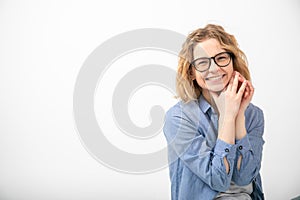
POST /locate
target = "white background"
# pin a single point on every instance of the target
(42, 47)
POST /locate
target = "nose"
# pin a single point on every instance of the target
(213, 67)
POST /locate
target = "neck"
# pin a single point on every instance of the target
(208, 97)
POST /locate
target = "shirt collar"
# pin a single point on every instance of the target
(203, 104)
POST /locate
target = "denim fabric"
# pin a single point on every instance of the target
(196, 164)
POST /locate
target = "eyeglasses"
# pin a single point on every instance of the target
(221, 59)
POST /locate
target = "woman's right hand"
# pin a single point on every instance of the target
(229, 100)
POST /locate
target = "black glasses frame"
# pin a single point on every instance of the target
(213, 58)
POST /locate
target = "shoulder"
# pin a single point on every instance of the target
(188, 111)
(254, 117)
(254, 111)
(182, 117)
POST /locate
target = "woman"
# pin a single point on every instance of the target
(214, 133)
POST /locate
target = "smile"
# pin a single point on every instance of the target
(215, 78)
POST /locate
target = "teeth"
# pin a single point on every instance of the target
(215, 78)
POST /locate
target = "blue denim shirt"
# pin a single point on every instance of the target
(195, 155)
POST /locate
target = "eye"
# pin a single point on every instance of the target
(202, 62)
(222, 57)
(205, 62)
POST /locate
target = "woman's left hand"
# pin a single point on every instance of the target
(240, 129)
(247, 96)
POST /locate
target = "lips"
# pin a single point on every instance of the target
(215, 78)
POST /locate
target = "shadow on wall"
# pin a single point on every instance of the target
(296, 198)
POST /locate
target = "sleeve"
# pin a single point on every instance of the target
(250, 148)
(180, 129)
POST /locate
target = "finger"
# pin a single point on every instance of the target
(242, 88)
(235, 83)
(229, 86)
(241, 78)
(246, 94)
(251, 89)
(251, 86)
(247, 91)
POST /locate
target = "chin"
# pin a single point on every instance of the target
(216, 88)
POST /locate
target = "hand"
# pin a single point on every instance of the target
(240, 129)
(229, 101)
(248, 94)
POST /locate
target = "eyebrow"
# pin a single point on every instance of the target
(211, 56)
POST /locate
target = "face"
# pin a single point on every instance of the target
(216, 78)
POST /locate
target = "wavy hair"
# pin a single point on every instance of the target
(188, 89)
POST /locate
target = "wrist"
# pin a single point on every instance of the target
(240, 134)
(226, 130)
(227, 118)
(240, 115)
(240, 129)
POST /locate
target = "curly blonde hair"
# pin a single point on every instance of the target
(188, 89)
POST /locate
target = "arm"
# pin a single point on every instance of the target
(240, 129)
(249, 148)
(228, 103)
(187, 142)
(239, 134)
(226, 133)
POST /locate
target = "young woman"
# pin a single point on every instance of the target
(214, 133)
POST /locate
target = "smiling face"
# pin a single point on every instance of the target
(216, 78)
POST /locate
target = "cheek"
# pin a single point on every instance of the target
(200, 80)
(230, 71)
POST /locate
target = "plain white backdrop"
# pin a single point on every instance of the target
(43, 45)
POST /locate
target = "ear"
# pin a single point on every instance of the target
(192, 73)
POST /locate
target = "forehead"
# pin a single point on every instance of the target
(207, 48)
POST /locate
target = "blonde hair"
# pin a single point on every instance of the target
(188, 89)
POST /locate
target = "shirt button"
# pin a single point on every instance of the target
(226, 150)
(240, 147)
